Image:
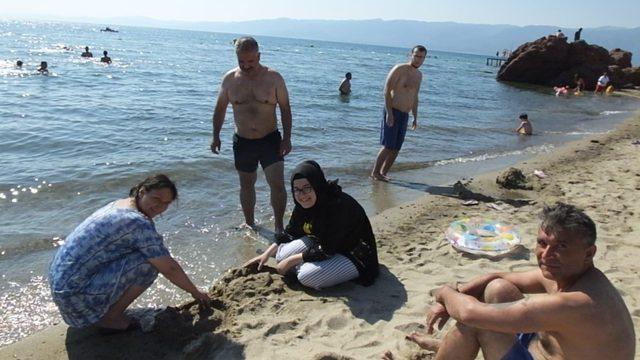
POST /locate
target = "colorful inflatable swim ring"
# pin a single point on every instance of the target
(482, 236)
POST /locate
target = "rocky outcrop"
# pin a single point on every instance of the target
(624, 78)
(552, 61)
(620, 57)
(631, 75)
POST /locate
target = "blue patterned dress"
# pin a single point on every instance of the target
(100, 259)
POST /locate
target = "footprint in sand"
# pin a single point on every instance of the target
(337, 322)
(364, 345)
(410, 327)
(282, 327)
(331, 356)
(251, 326)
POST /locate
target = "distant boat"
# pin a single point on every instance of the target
(108, 29)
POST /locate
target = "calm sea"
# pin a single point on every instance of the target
(82, 136)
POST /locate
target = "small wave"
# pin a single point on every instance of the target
(47, 51)
(612, 112)
(363, 167)
(482, 157)
(29, 243)
(577, 133)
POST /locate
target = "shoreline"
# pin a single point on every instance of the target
(262, 314)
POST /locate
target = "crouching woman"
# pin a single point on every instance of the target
(113, 256)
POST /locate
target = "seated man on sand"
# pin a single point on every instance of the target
(580, 315)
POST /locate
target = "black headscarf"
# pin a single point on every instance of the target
(324, 189)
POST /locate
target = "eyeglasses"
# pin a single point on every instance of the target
(302, 191)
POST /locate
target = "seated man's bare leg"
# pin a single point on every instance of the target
(274, 174)
(248, 195)
(463, 342)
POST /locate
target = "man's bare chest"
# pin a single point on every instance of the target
(246, 92)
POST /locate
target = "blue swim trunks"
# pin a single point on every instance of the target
(392, 137)
(520, 349)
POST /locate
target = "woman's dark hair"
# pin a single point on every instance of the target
(153, 182)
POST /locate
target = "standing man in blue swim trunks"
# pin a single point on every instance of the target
(577, 313)
(254, 91)
(400, 96)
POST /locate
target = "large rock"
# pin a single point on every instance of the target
(624, 78)
(632, 75)
(552, 61)
(620, 57)
(617, 76)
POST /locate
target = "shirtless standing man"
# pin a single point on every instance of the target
(254, 91)
(400, 96)
(579, 314)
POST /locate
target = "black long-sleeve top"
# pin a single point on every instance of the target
(341, 226)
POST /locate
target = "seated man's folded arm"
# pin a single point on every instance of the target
(539, 313)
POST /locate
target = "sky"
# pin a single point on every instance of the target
(567, 13)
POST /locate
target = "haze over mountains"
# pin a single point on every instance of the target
(446, 36)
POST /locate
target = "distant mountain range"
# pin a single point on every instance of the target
(445, 36)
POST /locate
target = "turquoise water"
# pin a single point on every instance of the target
(82, 136)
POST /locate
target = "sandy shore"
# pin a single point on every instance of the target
(262, 315)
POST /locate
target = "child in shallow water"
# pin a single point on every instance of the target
(525, 127)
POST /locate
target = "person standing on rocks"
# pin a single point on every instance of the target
(576, 36)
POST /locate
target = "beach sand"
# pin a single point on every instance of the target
(262, 315)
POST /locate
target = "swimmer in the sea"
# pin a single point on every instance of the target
(525, 127)
(43, 69)
(105, 58)
(86, 52)
(345, 85)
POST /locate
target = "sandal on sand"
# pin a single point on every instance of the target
(133, 325)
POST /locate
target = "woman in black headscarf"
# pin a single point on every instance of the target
(329, 239)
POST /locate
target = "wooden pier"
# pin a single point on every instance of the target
(495, 61)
